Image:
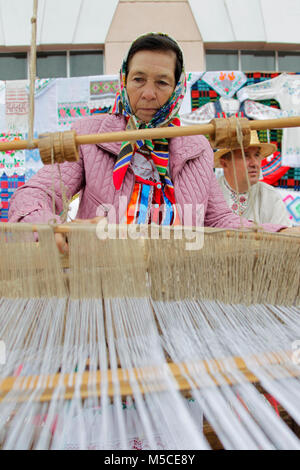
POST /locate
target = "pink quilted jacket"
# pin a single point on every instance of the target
(191, 170)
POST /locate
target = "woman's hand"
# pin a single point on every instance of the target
(61, 240)
(61, 243)
(291, 231)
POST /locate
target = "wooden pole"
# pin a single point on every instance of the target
(32, 74)
(157, 133)
(91, 380)
(207, 231)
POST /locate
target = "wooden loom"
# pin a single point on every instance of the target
(232, 266)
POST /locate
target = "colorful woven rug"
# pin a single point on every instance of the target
(8, 184)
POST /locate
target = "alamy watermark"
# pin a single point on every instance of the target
(191, 230)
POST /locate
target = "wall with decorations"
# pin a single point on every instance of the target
(59, 102)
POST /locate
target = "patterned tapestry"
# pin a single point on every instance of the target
(205, 91)
(60, 102)
(102, 94)
(292, 203)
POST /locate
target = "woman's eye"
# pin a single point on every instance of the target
(162, 83)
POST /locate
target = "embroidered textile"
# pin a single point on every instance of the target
(290, 180)
(12, 161)
(271, 168)
(224, 107)
(202, 94)
(8, 185)
(226, 84)
(72, 100)
(285, 88)
(291, 200)
(17, 105)
(137, 437)
(238, 202)
(33, 160)
(102, 93)
(294, 208)
(12, 172)
(45, 106)
(191, 78)
(70, 112)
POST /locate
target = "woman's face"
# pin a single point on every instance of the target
(150, 82)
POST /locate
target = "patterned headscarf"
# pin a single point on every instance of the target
(167, 115)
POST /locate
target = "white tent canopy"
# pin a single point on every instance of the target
(269, 21)
(59, 21)
(88, 21)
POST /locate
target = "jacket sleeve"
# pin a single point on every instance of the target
(34, 202)
(272, 207)
(280, 214)
(218, 214)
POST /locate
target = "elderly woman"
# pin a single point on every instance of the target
(160, 181)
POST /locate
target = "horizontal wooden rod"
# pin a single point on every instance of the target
(156, 133)
(92, 383)
(242, 233)
(207, 231)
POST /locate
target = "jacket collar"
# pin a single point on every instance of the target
(180, 148)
